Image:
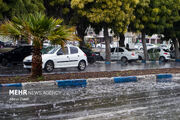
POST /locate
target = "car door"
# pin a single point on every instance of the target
(16, 54)
(74, 56)
(150, 53)
(113, 54)
(119, 53)
(26, 52)
(62, 58)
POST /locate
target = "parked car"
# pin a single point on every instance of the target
(57, 57)
(15, 55)
(91, 56)
(163, 54)
(139, 46)
(121, 53)
(8, 44)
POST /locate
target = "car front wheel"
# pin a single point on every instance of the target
(82, 65)
(162, 59)
(49, 66)
(124, 59)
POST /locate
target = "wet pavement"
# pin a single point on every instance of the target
(16, 70)
(142, 100)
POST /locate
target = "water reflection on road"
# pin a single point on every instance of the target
(96, 67)
(142, 100)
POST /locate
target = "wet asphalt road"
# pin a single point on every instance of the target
(96, 67)
(142, 100)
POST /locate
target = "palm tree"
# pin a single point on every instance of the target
(37, 28)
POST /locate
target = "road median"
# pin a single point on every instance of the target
(83, 79)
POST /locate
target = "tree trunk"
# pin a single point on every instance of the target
(176, 45)
(82, 43)
(107, 42)
(81, 33)
(122, 39)
(144, 47)
(36, 62)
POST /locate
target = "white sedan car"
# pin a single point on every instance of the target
(164, 54)
(70, 56)
(121, 53)
(139, 46)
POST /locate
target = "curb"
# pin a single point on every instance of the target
(11, 85)
(73, 83)
(164, 76)
(125, 79)
(93, 81)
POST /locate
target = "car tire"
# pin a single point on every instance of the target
(49, 66)
(124, 59)
(162, 59)
(82, 65)
(92, 60)
(4, 62)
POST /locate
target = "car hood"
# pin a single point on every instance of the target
(44, 56)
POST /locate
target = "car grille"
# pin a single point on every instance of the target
(27, 63)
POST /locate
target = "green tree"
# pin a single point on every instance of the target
(62, 9)
(37, 28)
(115, 14)
(153, 17)
(11, 8)
(174, 35)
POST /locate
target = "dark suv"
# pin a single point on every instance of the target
(16, 55)
(91, 56)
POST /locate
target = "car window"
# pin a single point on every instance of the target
(157, 50)
(45, 50)
(119, 50)
(73, 50)
(52, 51)
(64, 51)
(150, 51)
(27, 49)
(19, 49)
(149, 45)
(112, 49)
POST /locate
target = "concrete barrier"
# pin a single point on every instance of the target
(125, 79)
(177, 60)
(11, 85)
(164, 76)
(72, 83)
(93, 81)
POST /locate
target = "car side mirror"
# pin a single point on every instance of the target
(59, 53)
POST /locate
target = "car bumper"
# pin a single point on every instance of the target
(168, 57)
(133, 58)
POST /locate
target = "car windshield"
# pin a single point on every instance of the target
(49, 50)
